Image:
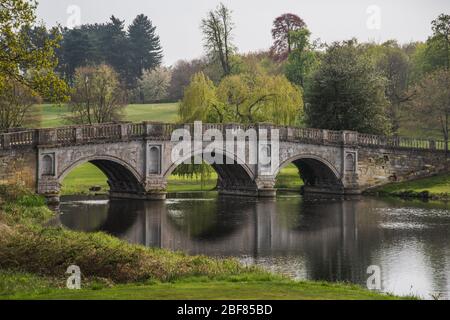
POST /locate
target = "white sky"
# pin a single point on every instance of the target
(178, 21)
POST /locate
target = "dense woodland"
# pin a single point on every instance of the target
(382, 88)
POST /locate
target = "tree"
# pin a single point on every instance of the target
(394, 65)
(76, 50)
(242, 98)
(154, 84)
(347, 92)
(97, 96)
(183, 71)
(199, 98)
(258, 98)
(217, 30)
(435, 53)
(146, 51)
(115, 47)
(129, 52)
(282, 32)
(431, 103)
(441, 34)
(16, 100)
(302, 60)
(259, 62)
(22, 61)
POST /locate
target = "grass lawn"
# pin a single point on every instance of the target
(50, 115)
(438, 185)
(289, 178)
(82, 178)
(206, 289)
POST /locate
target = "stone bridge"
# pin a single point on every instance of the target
(136, 158)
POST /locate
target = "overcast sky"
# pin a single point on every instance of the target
(178, 21)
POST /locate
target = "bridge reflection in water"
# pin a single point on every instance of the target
(334, 240)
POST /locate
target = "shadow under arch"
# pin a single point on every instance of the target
(236, 178)
(318, 174)
(122, 177)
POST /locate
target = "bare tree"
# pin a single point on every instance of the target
(217, 30)
(16, 101)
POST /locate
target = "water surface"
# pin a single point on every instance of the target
(315, 239)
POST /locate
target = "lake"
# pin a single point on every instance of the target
(306, 238)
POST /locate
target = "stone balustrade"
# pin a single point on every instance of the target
(162, 132)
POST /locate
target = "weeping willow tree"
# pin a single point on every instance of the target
(242, 98)
(200, 172)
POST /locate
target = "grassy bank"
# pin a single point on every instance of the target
(437, 187)
(34, 257)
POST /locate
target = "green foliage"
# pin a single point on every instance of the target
(97, 96)
(302, 60)
(435, 53)
(202, 172)
(28, 60)
(347, 92)
(243, 98)
(249, 98)
(199, 100)
(441, 38)
(129, 52)
(144, 46)
(22, 206)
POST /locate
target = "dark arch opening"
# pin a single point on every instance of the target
(120, 179)
(315, 174)
(101, 175)
(231, 178)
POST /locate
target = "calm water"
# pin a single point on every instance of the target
(334, 240)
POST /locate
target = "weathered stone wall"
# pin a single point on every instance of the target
(19, 166)
(381, 166)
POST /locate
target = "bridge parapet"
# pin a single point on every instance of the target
(162, 132)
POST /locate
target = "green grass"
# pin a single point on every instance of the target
(50, 115)
(289, 178)
(437, 186)
(246, 287)
(82, 178)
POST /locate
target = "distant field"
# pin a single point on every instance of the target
(50, 115)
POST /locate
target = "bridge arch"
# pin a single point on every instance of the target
(236, 178)
(122, 177)
(318, 174)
